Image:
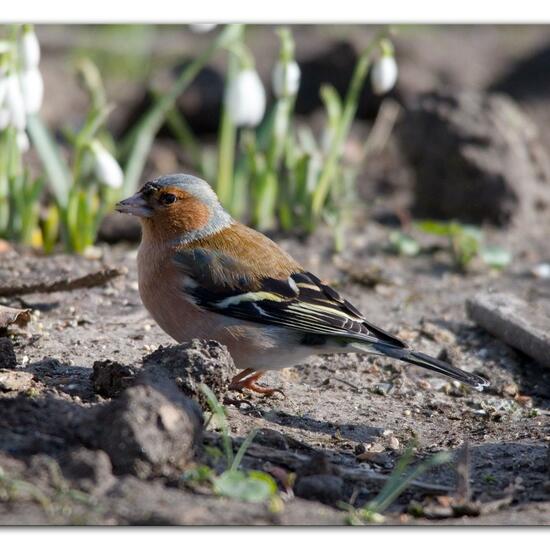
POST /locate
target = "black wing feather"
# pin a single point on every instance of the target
(302, 302)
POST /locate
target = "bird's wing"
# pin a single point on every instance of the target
(302, 302)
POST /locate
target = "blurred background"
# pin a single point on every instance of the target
(458, 134)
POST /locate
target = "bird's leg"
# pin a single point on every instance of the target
(247, 379)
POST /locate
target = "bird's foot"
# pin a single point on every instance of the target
(248, 379)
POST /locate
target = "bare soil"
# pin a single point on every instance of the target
(353, 415)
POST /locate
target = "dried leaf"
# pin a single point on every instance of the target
(11, 315)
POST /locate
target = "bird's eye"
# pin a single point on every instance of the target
(168, 198)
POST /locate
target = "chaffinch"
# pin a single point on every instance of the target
(202, 274)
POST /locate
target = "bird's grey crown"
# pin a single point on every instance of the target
(200, 189)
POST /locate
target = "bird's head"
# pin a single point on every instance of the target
(177, 206)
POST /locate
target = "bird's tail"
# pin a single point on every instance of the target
(426, 361)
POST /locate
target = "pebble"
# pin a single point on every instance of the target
(393, 443)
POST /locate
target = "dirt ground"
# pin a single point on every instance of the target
(339, 406)
(345, 420)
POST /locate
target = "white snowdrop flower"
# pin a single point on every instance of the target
(202, 28)
(285, 79)
(4, 118)
(384, 74)
(246, 98)
(29, 48)
(14, 102)
(541, 271)
(32, 88)
(106, 168)
(5, 46)
(22, 140)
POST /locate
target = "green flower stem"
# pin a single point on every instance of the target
(348, 114)
(4, 183)
(226, 142)
(185, 137)
(153, 120)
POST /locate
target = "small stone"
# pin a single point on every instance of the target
(110, 378)
(13, 380)
(192, 364)
(360, 449)
(521, 324)
(147, 430)
(382, 459)
(393, 443)
(376, 448)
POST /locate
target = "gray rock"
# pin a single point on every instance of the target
(522, 325)
(189, 365)
(477, 158)
(148, 430)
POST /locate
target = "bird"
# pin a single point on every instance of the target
(202, 274)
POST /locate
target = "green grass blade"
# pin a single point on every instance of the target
(218, 410)
(54, 165)
(242, 449)
(154, 118)
(399, 483)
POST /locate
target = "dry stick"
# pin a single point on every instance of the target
(86, 281)
(383, 125)
(463, 492)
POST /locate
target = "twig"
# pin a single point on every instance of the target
(353, 386)
(383, 125)
(90, 280)
(463, 492)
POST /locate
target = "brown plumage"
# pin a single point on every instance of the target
(203, 275)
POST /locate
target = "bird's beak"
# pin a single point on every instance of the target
(136, 205)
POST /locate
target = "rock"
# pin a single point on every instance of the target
(325, 488)
(189, 365)
(89, 470)
(8, 360)
(13, 380)
(393, 443)
(110, 378)
(477, 158)
(522, 325)
(147, 430)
